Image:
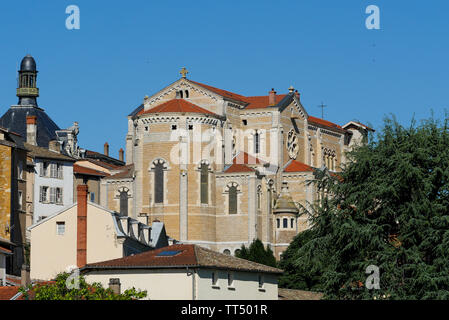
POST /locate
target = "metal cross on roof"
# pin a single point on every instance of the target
(322, 106)
(184, 72)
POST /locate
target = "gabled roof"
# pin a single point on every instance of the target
(238, 168)
(244, 158)
(176, 105)
(261, 101)
(10, 293)
(77, 169)
(324, 123)
(44, 153)
(297, 166)
(357, 125)
(127, 172)
(221, 92)
(181, 256)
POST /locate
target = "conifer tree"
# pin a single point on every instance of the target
(257, 253)
(389, 208)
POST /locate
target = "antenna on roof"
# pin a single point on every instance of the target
(322, 106)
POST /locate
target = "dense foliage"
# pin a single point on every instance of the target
(389, 208)
(257, 253)
(58, 290)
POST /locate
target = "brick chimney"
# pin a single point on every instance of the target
(121, 154)
(81, 234)
(106, 149)
(32, 130)
(114, 285)
(272, 98)
(298, 95)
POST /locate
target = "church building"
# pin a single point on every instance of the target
(221, 169)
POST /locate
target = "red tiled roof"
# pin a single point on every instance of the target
(127, 172)
(324, 123)
(5, 250)
(6, 293)
(87, 171)
(296, 166)
(176, 105)
(261, 101)
(238, 168)
(222, 92)
(182, 255)
(244, 158)
(103, 164)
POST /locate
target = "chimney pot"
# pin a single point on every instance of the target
(106, 149)
(272, 97)
(81, 245)
(298, 95)
(121, 154)
(114, 285)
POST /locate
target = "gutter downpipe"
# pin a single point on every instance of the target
(192, 273)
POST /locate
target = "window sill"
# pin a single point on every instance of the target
(231, 288)
(262, 290)
(215, 287)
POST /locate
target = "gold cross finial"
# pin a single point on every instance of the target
(184, 72)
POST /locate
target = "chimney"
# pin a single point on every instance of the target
(121, 154)
(106, 149)
(54, 146)
(114, 285)
(272, 98)
(81, 234)
(25, 276)
(32, 130)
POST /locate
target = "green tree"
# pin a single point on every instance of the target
(257, 253)
(58, 290)
(389, 207)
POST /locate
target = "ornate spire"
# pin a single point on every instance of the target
(26, 88)
(285, 204)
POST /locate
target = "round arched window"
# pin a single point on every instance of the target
(227, 251)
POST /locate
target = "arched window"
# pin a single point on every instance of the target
(227, 251)
(187, 93)
(278, 223)
(124, 202)
(285, 223)
(232, 191)
(204, 183)
(181, 94)
(259, 197)
(158, 167)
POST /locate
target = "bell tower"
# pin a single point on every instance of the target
(26, 87)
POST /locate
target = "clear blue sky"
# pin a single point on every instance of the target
(128, 49)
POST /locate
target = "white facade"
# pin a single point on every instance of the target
(58, 185)
(191, 284)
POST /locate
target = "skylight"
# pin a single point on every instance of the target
(168, 253)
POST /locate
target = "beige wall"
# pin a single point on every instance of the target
(174, 284)
(52, 253)
(160, 284)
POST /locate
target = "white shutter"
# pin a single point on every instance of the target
(52, 195)
(60, 170)
(41, 169)
(41, 191)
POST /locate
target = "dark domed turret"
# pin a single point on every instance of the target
(28, 64)
(27, 90)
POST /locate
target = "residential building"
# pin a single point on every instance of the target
(5, 252)
(13, 189)
(187, 272)
(86, 233)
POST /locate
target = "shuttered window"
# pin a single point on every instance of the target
(159, 183)
(233, 200)
(53, 170)
(204, 183)
(52, 195)
(43, 194)
(59, 199)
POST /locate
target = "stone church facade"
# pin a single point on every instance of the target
(221, 169)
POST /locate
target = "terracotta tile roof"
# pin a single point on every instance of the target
(127, 172)
(13, 280)
(88, 171)
(324, 123)
(297, 166)
(238, 168)
(244, 158)
(5, 250)
(261, 101)
(221, 92)
(291, 294)
(6, 293)
(181, 256)
(176, 105)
